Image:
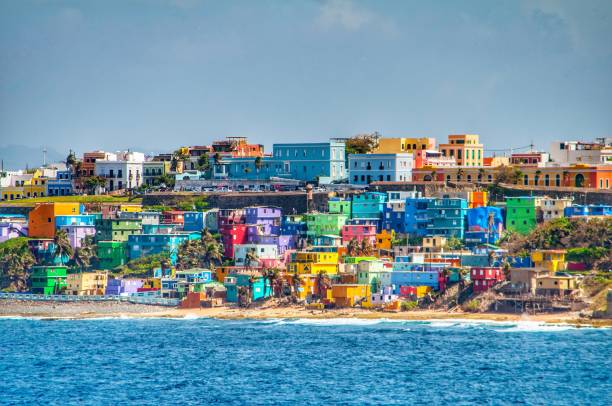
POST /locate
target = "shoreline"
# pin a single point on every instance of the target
(94, 310)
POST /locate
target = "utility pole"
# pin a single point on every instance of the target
(44, 157)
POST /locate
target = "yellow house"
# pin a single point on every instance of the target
(130, 208)
(465, 148)
(308, 262)
(26, 186)
(551, 260)
(152, 283)
(87, 283)
(349, 295)
(384, 239)
(434, 244)
(399, 145)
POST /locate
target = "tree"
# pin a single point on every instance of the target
(296, 282)
(203, 162)
(536, 180)
(460, 173)
(71, 160)
(165, 179)
(250, 257)
(63, 249)
(454, 243)
(92, 184)
(434, 173)
(366, 247)
(323, 283)
(178, 156)
(258, 163)
(353, 248)
(362, 143)
(481, 174)
(84, 256)
(15, 261)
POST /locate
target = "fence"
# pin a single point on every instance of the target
(157, 301)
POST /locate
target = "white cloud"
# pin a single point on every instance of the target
(346, 14)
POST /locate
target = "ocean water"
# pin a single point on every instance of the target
(314, 362)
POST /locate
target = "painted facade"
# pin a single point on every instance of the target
(367, 168)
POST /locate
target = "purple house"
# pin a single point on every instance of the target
(283, 242)
(123, 286)
(10, 229)
(268, 217)
(77, 233)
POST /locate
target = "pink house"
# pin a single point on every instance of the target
(77, 233)
(359, 232)
(485, 277)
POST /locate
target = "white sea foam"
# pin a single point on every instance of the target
(536, 327)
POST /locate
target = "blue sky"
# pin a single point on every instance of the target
(157, 74)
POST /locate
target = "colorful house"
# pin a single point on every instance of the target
(447, 217)
(349, 295)
(266, 216)
(41, 219)
(141, 245)
(590, 210)
(521, 214)
(416, 216)
(384, 240)
(484, 225)
(48, 280)
(123, 287)
(293, 225)
(259, 288)
(359, 233)
(324, 224)
(266, 255)
(551, 260)
(117, 229)
(368, 205)
(111, 254)
(193, 221)
(367, 168)
(232, 235)
(173, 217)
(61, 185)
(308, 262)
(394, 216)
(401, 278)
(337, 205)
(485, 277)
(86, 283)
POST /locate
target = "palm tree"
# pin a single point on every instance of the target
(366, 247)
(353, 248)
(63, 249)
(433, 175)
(165, 265)
(323, 282)
(80, 259)
(14, 264)
(296, 282)
(517, 176)
(213, 254)
(460, 173)
(481, 173)
(217, 159)
(537, 177)
(250, 257)
(70, 160)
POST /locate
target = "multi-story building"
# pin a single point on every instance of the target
(142, 245)
(394, 216)
(485, 277)
(86, 283)
(267, 217)
(61, 185)
(447, 217)
(359, 233)
(401, 145)
(590, 210)
(123, 173)
(41, 219)
(231, 235)
(48, 280)
(117, 229)
(433, 159)
(318, 224)
(262, 255)
(521, 214)
(566, 153)
(25, 185)
(237, 147)
(309, 262)
(152, 170)
(111, 254)
(368, 205)
(367, 168)
(77, 227)
(484, 225)
(529, 158)
(416, 217)
(553, 208)
(465, 148)
(324, 161)
(338, 205)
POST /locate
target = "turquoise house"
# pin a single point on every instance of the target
(368, 205)
(447, 217)
(141, 245)
(256, 283)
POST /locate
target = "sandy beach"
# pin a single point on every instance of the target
(80, 310)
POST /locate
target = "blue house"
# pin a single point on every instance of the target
(484, 225)
(61, 185)
(416, 217)
(367, 168)
(368, 205)
(590, 210)
(447, 217)
(414, 278)
(233, 282)
(141, 245)
(301, 161)
(293, 225)
(76, 220)
(193, 221)
(394, 217)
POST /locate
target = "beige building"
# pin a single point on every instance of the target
(465, 148)
(87, 283)
(434, 244)
(398, 145)
(556, 285)
(553, 208)
(526, 278)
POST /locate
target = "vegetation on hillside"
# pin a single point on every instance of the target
(15, 260)
(73, 199)
(143, 267)
(588, 241)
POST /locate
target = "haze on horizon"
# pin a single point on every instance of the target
(157, 74)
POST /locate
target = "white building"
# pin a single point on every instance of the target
(566, 153)
(263, 252)
(124, 172)
(367, 168)
(553, 208)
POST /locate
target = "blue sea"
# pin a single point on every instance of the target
(313, 362)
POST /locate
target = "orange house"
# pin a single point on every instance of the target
(41, 221)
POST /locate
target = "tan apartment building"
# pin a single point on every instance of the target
(465, 148)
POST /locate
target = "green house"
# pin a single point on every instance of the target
(319, 224)
(117, 229)
(111, 254)
(337, 205)
(521, 214)
(48, 280)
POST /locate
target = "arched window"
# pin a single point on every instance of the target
(490, 178)
(469, 178)
(526, 180)
(557, 180)
(546, 180)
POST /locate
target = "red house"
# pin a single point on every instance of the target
(173, 217)
(485, 277)
(231, 235)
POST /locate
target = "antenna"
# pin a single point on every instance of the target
(44, 156)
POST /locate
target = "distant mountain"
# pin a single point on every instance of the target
(16, 157)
